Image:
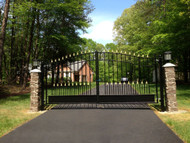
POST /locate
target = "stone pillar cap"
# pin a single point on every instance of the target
(35, 70)
(167, 65)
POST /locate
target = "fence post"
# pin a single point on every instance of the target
(97, 76)
(171, 102)
(42, 85)
(156, 78)
(35, 86)
(161, 84)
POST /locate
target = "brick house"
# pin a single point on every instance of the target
(78, 71)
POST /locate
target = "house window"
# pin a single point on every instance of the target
(67, 74)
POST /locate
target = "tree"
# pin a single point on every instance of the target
(153, 27)
(91, 45)
(133, 29)
(111, 46)
(42, 29)
(173, 33)
(2, 34)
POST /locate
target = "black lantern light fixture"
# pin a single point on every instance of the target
(36, 63)
(168, 56)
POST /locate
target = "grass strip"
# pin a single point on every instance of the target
(179, 122)
(14, 111)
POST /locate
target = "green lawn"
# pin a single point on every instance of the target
(71, 90)
(180, 122)
(14, 111)
(147, 89)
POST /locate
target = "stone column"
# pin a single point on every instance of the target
(171, 102)
(35, 87)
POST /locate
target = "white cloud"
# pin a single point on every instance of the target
(101, 31)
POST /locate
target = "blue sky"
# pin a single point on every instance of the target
(103, 17)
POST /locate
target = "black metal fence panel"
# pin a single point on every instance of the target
(100, 77)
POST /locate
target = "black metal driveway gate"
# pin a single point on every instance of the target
(101, 77)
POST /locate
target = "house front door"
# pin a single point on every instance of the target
(84, 78)
(76, 78)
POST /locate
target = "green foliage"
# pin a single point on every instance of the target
(155, 27)
(111, 46)
(147, 27)
(91, 45)
(43, 29)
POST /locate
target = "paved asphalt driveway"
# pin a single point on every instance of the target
(93, 126)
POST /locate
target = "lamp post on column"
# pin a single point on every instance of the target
(168, 56)
(36, 63)
(169, 69)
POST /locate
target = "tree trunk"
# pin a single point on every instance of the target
(2, 34)
(6, 71)
(29, 50)
(36, 51)
(0, 14)
(12, 60)
(189, 66)
(23, 53)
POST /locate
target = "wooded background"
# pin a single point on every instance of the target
(47, 29)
